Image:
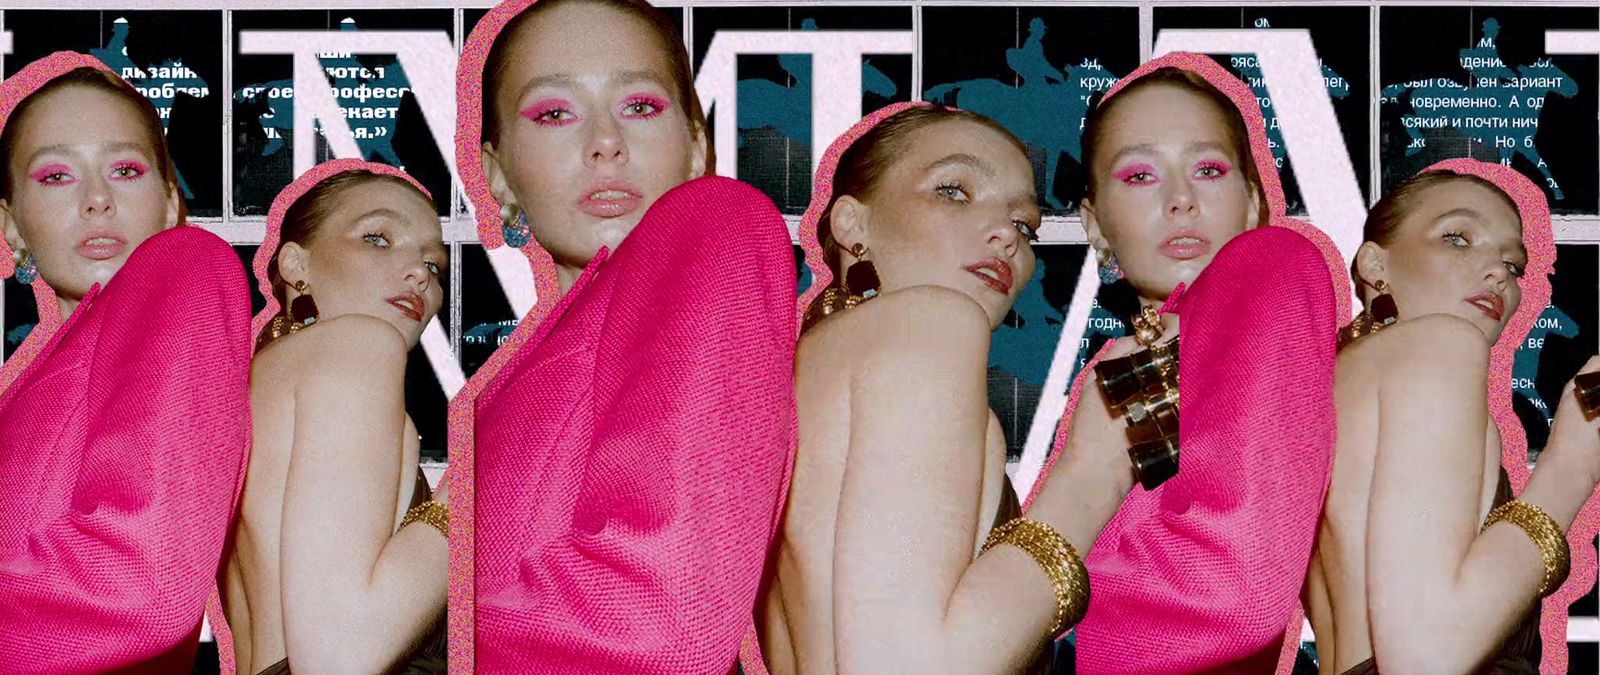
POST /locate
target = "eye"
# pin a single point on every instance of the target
(643, 106)
(1456, 239)
(376, 239)
(952, 192)
(1515, 269)
(434, 268)
(127, 170)
(1027, 229)
(1211, 170)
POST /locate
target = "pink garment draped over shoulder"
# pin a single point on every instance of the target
(122, 456)
(632, 457)
(1202, 574)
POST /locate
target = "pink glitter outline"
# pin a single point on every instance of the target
(220, 629)
(12, 92)
(1266, 167)
(1539, 238)
(469, 168)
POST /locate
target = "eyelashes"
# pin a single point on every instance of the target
(1143, 174)
(954, 192)
(559, 112)
(61, 174)
(1459, 240)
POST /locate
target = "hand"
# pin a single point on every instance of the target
(1575, 439)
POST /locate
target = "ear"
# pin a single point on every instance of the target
(699, 150)
(294, 263)
(1091, 226)
(9, 227)
(1372, 263)
(848, 219)
(1252, 218)
(495, 176)
(174, 206)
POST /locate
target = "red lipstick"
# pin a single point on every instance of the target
(993, 272)
(409, 304)
(1491, 304)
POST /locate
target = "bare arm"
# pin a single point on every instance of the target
(345, 572)
(1443, 596)
(908, 596)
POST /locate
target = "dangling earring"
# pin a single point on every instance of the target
(514, 229)
(1110, 272)
(1383, 310)
(862, 276)
(1380, 313)
(26, 272)
(303, 309)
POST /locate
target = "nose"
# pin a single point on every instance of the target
(1496, 275)
(1002, 236)
(97, 199)
(417, 275)
(1180, 199)
(605, 142)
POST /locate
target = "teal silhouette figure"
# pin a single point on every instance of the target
(1044, 108)
(152, 80)
(787, 108)
(373, 136)
(1499, 107)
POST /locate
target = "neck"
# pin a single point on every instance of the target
(567, 276)
(67, 305)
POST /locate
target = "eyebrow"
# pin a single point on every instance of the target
(1469, 212)
(65, 149)
(566, 79)
(1196, 146)
(386, 212)
(960, 159)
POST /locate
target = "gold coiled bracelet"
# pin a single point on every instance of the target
(1059, 560)
(431, 512)
(1546, 535)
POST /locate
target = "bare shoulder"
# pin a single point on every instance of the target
(1430, 342)
(917, 318)
(353, 345)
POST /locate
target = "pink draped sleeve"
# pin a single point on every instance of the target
(632, 458)
(1204, 573)
(123, 454)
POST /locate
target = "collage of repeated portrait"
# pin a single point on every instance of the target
(753, 394)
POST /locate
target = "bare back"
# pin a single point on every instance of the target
(798, 627)
(1337, 595)
(252, 590)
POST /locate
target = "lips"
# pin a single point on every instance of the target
(994, 273)
(1491, 304)
(102, 246)
(1185, 246)
(409, 304)
(610, 199)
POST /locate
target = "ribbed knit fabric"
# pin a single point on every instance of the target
(122, 452)
(1203, 573)
(632, 457)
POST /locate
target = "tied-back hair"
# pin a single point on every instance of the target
(1094, 125)
(302, 222)
(862, 167)
(97, 80)
(668, 39)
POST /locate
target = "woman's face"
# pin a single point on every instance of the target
(592, 131)
(86, 190)
(1171, 188)
(1457, 251)
(956, 210)
(379, 252)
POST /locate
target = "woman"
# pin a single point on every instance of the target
(884, 566)
(651, 413)
(1421, 564)
(126, 424)
(322, 551)
(1209, 565)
